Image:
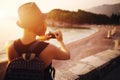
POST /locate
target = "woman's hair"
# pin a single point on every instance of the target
(31, 18)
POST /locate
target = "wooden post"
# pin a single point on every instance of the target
(109, 34)
(113, 31)
(116, 44)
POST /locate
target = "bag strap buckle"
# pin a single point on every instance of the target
(29, 56)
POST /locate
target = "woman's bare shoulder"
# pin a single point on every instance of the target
(9, 44)
(52, 46)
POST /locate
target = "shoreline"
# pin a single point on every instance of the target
(87, 46)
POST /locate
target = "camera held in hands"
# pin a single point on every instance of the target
(51, 34)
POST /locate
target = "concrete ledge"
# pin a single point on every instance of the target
(94, 67)
(103, 62)
(100, 72)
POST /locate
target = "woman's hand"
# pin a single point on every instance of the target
(58, 35)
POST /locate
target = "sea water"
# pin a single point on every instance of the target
(72, 34)
(10, 31)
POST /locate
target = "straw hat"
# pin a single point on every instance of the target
(30, 17)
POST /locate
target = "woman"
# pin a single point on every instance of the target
(32, 22)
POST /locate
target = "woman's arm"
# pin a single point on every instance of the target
(62, 52)
(53, 52)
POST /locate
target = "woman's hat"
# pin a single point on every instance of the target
(30, 17)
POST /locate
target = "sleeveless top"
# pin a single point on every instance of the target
(21, 48)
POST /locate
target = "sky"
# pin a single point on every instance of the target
(9, 7)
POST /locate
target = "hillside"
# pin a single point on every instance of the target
(79, 17)
(106, 9)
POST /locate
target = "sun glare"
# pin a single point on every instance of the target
(2, 14)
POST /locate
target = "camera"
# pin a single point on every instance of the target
(51, 34)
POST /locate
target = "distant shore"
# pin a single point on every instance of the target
(70, 25)
(67, 25)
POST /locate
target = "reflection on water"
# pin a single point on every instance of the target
(10, 31)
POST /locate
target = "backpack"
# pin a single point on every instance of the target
(26, 67)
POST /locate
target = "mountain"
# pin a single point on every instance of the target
(106, 9)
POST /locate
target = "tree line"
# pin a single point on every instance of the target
(82, 17)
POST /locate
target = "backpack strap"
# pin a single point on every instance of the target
(30, 55)
(36, 47)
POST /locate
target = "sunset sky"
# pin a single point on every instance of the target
(9, 7)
